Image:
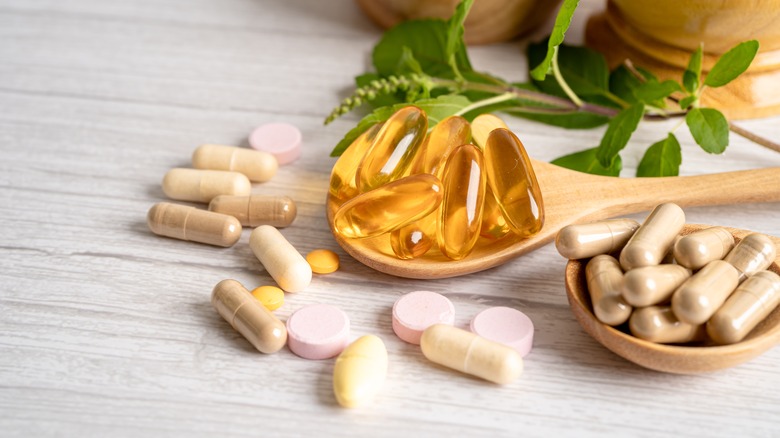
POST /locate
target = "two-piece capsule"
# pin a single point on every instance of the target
(697, 249)
(652, 240)
(605, 278)
(588, 240)
(256, 210)
(659, 324)
(189, 223)
(258, 166)
(360, 371)
(650, 285)
(204, 185)
(701, 295)
(755, 252)
(282, 261)
(753, 301)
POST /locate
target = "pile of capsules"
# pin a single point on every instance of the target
(418, 189)
(699, 287)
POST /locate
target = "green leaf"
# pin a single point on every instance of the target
(687, 101)
(709, 128)
(585, 70)
(573, 120)
(562, 22)
(407, 63)
(652, 91)
(586, 161)
(732, 64)
(455, 29)
(692, 74)
(618, 133)
(662, 158)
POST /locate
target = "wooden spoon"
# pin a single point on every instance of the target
(671, 358)
(571, 197)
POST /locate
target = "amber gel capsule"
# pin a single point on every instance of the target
(752, 254)
(651, 285)
(753, 301)
(342, 177)
(389, 207)
(697, 249)
(588, 240)
(651, 242)
(204, 185)
(416, 239)
(658, 324)
(605, 279)
(701, 295)
(256, 210)
(447, 135)
(482, 126)
(494, 225)
(188, 223)
(256, 165)
(512, 180)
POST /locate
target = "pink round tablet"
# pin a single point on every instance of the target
(506, 326)
(282, 140)
(416, 311)
(318, 331)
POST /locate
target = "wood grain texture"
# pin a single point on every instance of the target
(106, 329)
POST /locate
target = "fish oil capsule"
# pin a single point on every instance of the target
(447, 135)
(494, 225)
(587, 240)
(342, 177)
(471, 354)
(652, 240)
(701, 295)
(650, 285)
(258, 166)
(753, 301)
(752, 254)
(188, 223)
(282, 261)
(415, 239)
(360, 371)
(605, 279)
(460, 214)
(483, 125)
(394, 149)
(388, 207)
(204, 185)
(256, 210)
(248, 316)
(697, 249)
(513, 182)
(658, 324)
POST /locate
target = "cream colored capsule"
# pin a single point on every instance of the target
(658, 324)
(651, 242)
(587, 240)
(360, 371)
(701, 295)
(752, 254)
(650, 285)
(188, 223)
(605, 279)
(753, 301)
(248, 316)
(256, 210)
(471, 354)
(697, 249)
(204, 185)
(258, 166)
(282, 261)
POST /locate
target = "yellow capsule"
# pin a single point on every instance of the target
(204, 185)
(269, 296)
(360, 371)
(388, 207)
(323, 261)
(460, 215)
(494, 225)
(414, 240)
(342, 177)
(394, 148)
(442, 140)
(483, 125)
(513, 181)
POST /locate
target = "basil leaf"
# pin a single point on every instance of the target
(573, 120)
(586, 161)
(455, 29)
(692, 74)
(618, 133)
(652, 91)
(732, 64)
(687, 101)
(585, 70)
(662, 158)
(709, 128)
(562, 22)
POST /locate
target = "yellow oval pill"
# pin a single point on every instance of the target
(271, 297)
(323, 261)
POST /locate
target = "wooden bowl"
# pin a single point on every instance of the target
(678, 359)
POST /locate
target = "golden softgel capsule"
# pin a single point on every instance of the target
(343, 175)
(188, 223)
(447, 135)
(415, 239)
(482, 126)
(494, 225)
(204, 185)
(256, 165)
(256, 210)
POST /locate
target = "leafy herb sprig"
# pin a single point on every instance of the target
(425, 63)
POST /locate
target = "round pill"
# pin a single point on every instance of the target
(416, 311)
(323, 261)
(318, 331)
(506, 326)
(282, 140)
(269, 296)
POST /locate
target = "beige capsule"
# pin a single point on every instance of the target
(471, 354)
(258, 166)
(658, 324)
(248, 316)
(589, 240)
(204, 185)
(605, 279)
(697, 249)
(653, 239)
(256, 210)
(282, 261)
(650, 285)
(701, 295)
(188, 223)
(755, 252)
(753, 301)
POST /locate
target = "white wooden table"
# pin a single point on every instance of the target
(107, 329)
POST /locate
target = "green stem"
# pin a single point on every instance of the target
(559, 77)
(486, 102)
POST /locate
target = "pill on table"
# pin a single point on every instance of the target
(360, 371)
(247, 316)
(256, 210)
(447, 135)
(653, 239)
(755, 252)
(282, 140)
(257, 166)
(416, 311)
(605, 279)
(323, 261)
(701, 295)
(588, 240)
(282, 261)
(506, 326)
(471, 354)
(650, 285)
(658, 324)
(204, 185)
(753, 301)
(483, 125)
(188, 223)
(342, 177)
(269, 296)
(697, 249)
(317, 331)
